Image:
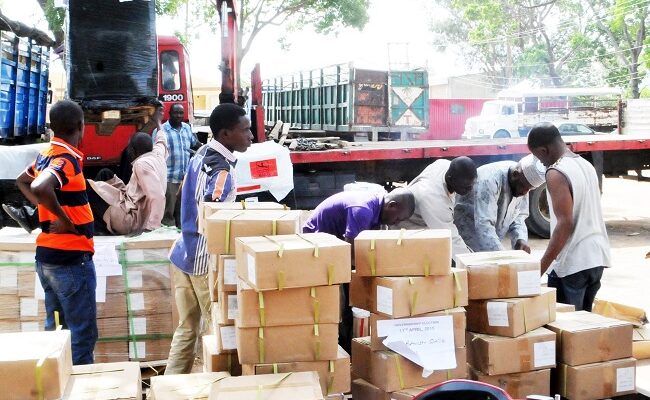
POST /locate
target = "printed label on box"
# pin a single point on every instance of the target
(252, 275)
(28, 307)
(228, 341)
(230, 271)
(385, 300)
(544, 353)
(135, 279)
(497, 313)
(9, 278)
(138, 347)
(232, 306)
(528, 283)
(138, 326)
(137, 301)
(29, 327)
(625, 379)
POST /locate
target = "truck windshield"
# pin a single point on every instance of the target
(490, 109)
(171, 79)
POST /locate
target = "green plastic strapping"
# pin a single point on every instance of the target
(151, 336)
(127, 290)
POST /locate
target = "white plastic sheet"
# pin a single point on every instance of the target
(265, 166)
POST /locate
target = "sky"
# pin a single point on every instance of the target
(401, 25)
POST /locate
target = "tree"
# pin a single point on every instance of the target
(55, 18)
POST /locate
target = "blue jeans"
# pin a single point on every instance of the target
(578, 289)
(70, 290)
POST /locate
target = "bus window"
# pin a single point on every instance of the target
(171, 78)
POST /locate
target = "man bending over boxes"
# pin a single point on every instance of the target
(209, 177)
(346, 214)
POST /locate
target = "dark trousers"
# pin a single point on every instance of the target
(578, 289)
(345, 326)
(97, 204)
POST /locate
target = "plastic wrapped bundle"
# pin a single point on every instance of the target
(111, 53)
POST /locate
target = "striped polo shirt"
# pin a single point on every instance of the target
(65, 163)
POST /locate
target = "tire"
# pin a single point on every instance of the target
(538, 221)
(501, 134)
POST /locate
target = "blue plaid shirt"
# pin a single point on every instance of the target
(180, 141)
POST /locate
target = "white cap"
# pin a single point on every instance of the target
(533, 170)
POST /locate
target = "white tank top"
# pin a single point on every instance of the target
(588, 245)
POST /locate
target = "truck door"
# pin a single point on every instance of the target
(174, 75)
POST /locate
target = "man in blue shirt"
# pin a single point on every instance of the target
(210, 177)
(345, 215)
(180, 140)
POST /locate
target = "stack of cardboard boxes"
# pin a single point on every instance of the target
(507, 344)
(222, 224)
(594, 356)
(289, 306)
(38, 365)
(404, 278)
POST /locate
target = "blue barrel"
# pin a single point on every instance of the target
(22, 89)
(8, 56)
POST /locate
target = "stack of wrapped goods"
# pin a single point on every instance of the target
(417, 321)
(507, 344)
(38, 365)
(594, 356)
(289, 306)
(223, 223)
(134, 299)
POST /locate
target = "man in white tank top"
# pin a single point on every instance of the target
(579, 248)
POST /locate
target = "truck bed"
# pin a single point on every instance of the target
(422, 149)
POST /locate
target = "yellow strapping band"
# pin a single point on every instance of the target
(316, 306)
(275, 368)
(427, 267)
(411, 281)
(260, 342)
(316, 247)
(400, 375)
(317, 349)
(372, 258)
(330, 274)
(564, 375)
(414, 300)
(280, 245)
(330, 380)
(227, 238)
(57, 321)
(401, 236)
(449, 374)
(243, 204)
(523, 309)
(312, 292)
(458, 288)
(274, 229)
(260, 300)
(316, 332)
(271, 386)
(281, 280)
(38, 372)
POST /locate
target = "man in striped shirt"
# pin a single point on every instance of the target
(64, 248)
(209, 177)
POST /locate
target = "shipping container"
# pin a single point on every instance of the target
(447, 117)
(345, 99)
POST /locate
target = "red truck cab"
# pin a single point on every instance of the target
(107, 133)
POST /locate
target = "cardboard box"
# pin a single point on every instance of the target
(501, 274)
(149, 350)
(228, 308)
(213, 361)
(410, 296)
(561, 307)
(110, 352)
(227, 273)
(184, 386)
(290, 261)
(458, 314)
(296, 385)
(498, 355)
(206, 209)
(407, 394)
(32, 309)
(153, 324)
(9, 326)
(597, 381)
(519, 385)
(278, 344)
(9, 279)
(19, 353)
(226, 336)
(142, 303)
(334, 375)
(382, 368)
(360, 291)
(364, 390)
(213, 279)
(633, 315)
(420, 252)
(298, 306)
(114, 381)
(9, 307)
(143, 277)
(113, 327)
(511, 317)
(641, 343)
(585, 338)
(223, 227)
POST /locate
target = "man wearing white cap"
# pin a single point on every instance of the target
(498, 205)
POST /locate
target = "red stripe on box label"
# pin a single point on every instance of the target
(264, 168)
(249, 188)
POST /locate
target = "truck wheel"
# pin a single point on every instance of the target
(539, 218)
(501, 134)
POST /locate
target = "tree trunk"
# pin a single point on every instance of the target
(634, 78)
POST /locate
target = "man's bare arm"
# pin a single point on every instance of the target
(560, 191)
